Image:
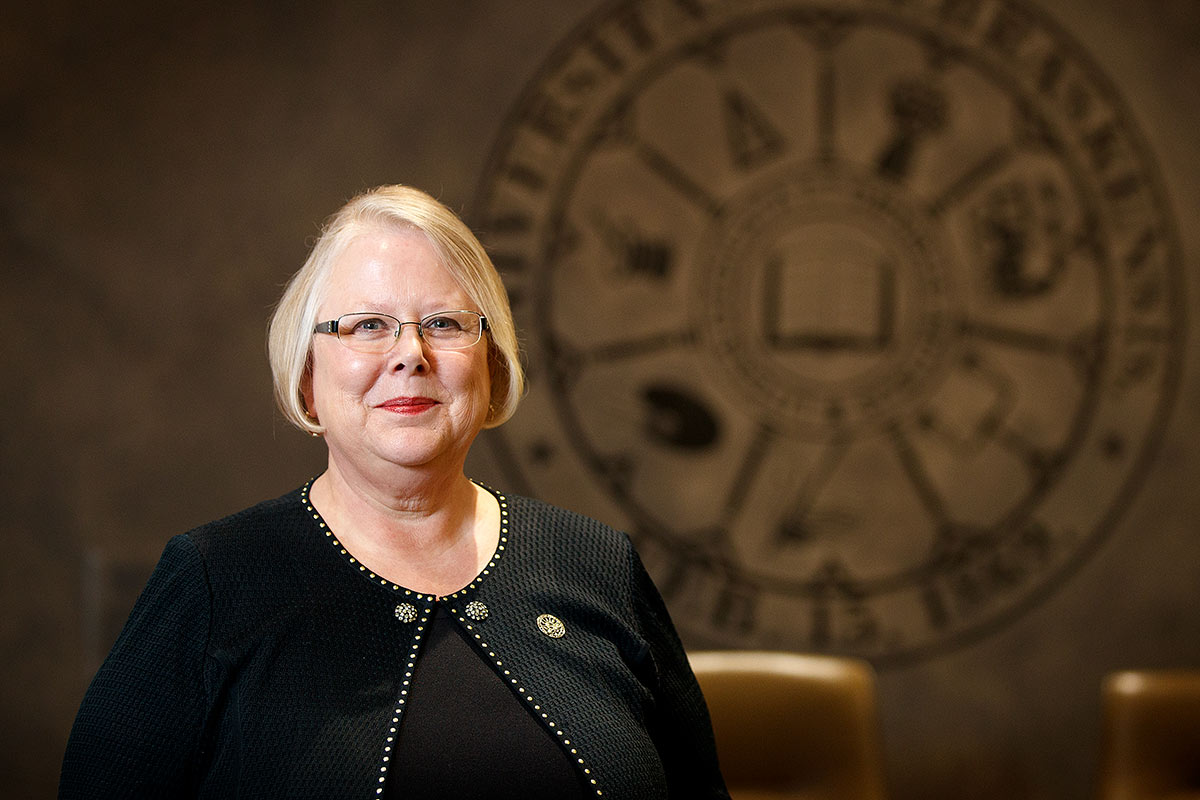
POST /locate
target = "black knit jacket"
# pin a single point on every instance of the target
(263, 661)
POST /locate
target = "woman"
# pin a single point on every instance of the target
(393, 629)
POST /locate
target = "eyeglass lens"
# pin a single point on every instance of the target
(445, 330)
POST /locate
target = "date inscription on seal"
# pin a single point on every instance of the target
(862, 317)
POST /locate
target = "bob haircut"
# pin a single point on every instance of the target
(289, 341)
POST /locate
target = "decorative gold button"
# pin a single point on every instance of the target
(476, 610)
(551, 626)
(406, 612)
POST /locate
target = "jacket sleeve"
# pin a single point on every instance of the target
(679, 721)
(138, 729)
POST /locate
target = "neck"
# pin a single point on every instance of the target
(398, 491)
(428, 531)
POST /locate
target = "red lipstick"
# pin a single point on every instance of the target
(408, 405)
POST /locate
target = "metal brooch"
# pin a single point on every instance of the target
(476, 610)
(551, 626)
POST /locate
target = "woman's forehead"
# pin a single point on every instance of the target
(398, 266)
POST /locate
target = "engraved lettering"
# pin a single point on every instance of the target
(631, 21)
(1139, 254)
(937, 614)
(605, 54)
(693, 8)
(1051, 72)
(527, 176)
(1146, 285)
(552, 119)
(1101, 146)
(841, 618)
(1123, 187)
(579, 81)
(1077, 101)
(983, 571)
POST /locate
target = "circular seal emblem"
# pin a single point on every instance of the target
(862, 317)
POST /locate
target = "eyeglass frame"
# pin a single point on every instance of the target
(331, 327)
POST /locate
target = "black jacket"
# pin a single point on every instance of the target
(263, 661)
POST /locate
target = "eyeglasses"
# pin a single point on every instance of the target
(372, 332)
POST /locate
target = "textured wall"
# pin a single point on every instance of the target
(965, 456)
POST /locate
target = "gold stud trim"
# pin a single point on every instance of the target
(501, 545)
(527, 696)
(410, 665)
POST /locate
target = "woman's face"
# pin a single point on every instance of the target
(412, 406)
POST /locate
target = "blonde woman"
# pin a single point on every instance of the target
(393, 628)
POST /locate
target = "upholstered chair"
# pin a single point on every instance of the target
(1150, 742)
(792, 726)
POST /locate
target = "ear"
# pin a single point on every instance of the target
(306, 391)
(497, 381)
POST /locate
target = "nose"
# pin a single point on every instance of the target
(409, 350)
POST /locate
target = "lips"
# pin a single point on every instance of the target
(408, 405)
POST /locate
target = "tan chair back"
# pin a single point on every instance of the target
(792, 726)
(1150, 745)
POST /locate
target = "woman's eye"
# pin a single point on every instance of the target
(442, 325)
(369, 326)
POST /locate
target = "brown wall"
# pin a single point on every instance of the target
(996, 530)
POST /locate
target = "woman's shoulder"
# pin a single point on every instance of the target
(562, 529)
(541, 512)
(258, 524)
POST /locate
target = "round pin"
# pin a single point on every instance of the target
(406, 612)
(551, 626)
(476, 610)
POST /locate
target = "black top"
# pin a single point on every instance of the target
(263, 661)
(466, 737)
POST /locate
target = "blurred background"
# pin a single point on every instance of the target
(868, 320)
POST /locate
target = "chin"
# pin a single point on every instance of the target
(416, 451)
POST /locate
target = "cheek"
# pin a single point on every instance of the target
(483, 396)
(472, 383)
(483, 379)
(340, 375)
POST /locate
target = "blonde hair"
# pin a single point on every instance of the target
(289, 341)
